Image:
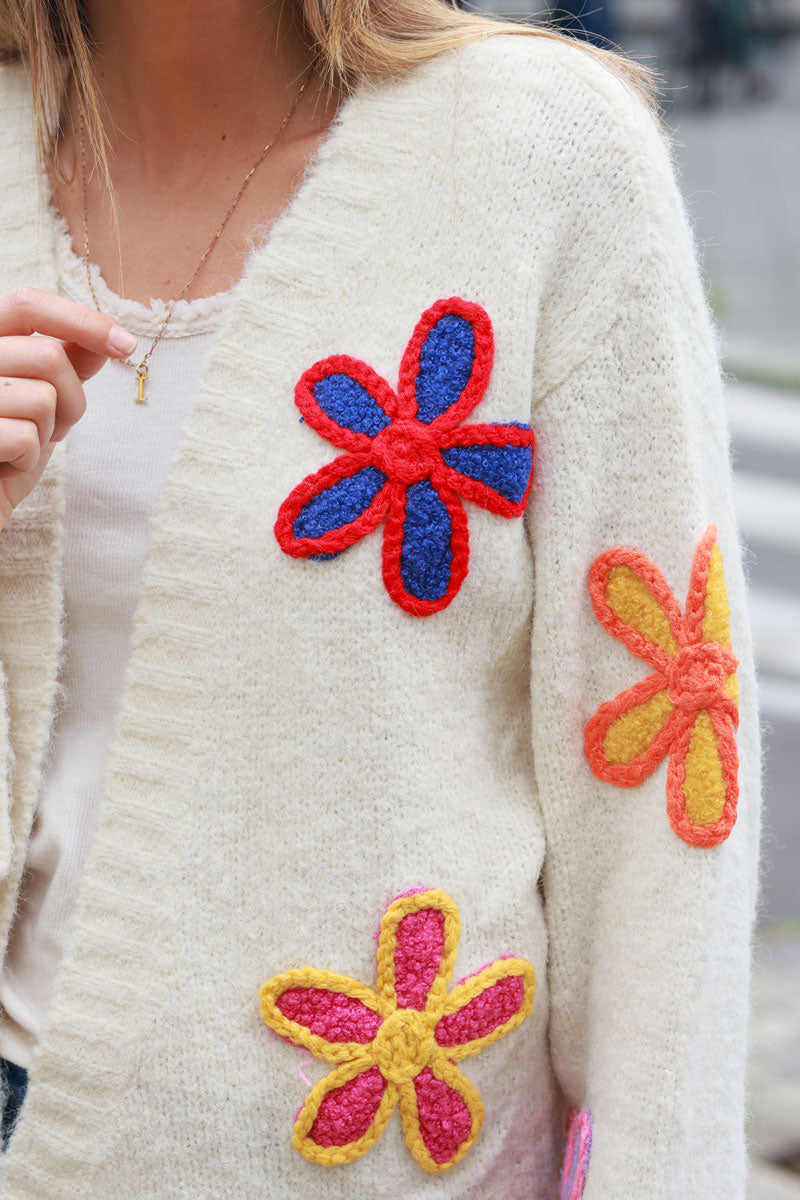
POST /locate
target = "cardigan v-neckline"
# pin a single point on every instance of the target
(150, 314)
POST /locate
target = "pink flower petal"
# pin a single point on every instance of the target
(417, 946)
(486, 1006)
(331, 1015)
(420, 944)
(445, 1121)
(484, 1013)
(347, 1112)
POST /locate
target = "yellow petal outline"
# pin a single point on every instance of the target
(409, 1114)
(311, 977)
(330, 1156)
(387, 945)
(468, 989)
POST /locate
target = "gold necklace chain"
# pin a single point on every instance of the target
(142, 367)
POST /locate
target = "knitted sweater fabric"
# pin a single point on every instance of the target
(294, 747)
(116, 462)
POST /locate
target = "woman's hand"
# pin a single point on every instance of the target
(49, 347)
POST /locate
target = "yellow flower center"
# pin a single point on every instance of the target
(403, 1045)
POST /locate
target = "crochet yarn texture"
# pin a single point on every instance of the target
(576, 1154)
(407, 462)
(399, 1043)
(688, 706)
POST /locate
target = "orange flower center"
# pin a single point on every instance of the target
(698, 676)
(406, 451)
(403, 1045)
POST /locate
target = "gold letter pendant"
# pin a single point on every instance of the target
(141, 375)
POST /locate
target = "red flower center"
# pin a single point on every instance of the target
(698, 676)
(406, 451)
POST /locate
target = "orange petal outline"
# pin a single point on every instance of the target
(466, 991)
(448, 1073)
(310, 977)
(648, 574)
(715, 832)
(632, 773)
(387, 945)
(330, 1156)
(697, 596)
(707, 610)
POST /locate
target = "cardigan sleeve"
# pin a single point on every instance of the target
(650, 873)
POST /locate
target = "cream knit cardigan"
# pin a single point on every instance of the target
(294, 749)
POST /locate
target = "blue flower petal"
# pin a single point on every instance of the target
(348, 402)
(426, 556)
(339, 504)
(507, 469)
(445, 366)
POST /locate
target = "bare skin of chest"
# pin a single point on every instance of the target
(183, 130)
(166, 222)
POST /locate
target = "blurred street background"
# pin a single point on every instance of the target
(731, 95)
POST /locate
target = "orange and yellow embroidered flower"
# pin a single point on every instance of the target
(398, 1044)
(688, 706)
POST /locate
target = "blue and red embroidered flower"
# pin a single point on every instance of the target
(408, 459)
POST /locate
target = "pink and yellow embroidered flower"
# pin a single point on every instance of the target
(398, 1044)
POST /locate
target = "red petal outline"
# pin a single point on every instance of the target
(630, 774)
(335, 539)
(713, 834)
(393, 544)
(481, 364)
(473, 489)
(659, 589)
(332, 431)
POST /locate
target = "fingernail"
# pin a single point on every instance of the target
(120, 341)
